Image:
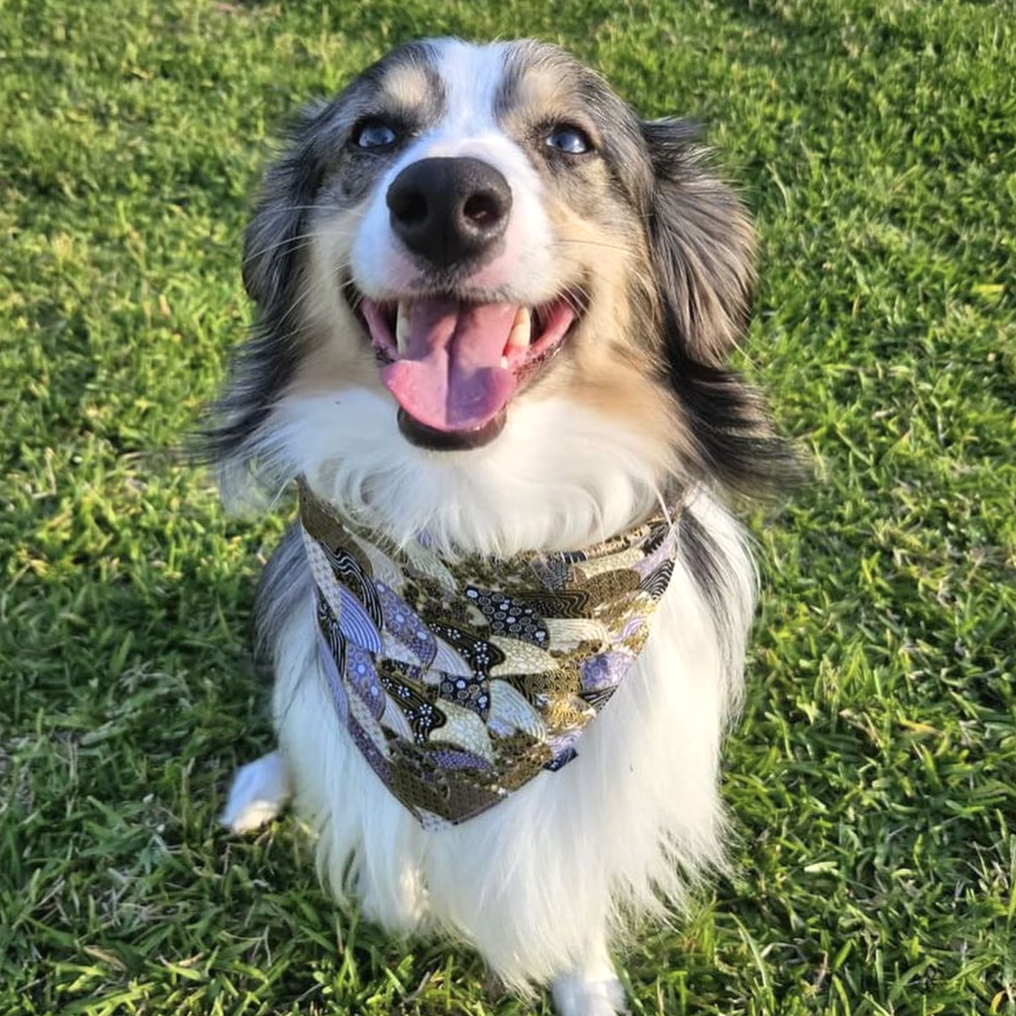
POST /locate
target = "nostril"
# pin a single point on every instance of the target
(483, 209)
(408, 206)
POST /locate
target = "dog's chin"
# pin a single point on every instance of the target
(454, 363)
(437, 440)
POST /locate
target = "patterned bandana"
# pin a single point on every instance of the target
(460, 681)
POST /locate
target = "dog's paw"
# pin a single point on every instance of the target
(588, 993)
(259, 792)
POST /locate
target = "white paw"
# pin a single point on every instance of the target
(588, 994)
(259, 792)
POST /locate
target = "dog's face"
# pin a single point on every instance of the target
(486, 244)
(484, 216)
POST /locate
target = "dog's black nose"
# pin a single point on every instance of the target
(449, 210)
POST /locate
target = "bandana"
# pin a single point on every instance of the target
(459, 681)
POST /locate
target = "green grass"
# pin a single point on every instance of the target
(873, 777)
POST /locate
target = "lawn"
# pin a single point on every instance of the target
(873, 778)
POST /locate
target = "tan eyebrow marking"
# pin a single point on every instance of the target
(541, 90)
(407, 87)
(540, 93)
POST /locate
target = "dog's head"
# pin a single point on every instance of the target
(483, 250)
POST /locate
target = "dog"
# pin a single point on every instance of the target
(508, 629)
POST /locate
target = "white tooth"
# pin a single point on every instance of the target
(402, 328)
(518, 337)
(504, 362)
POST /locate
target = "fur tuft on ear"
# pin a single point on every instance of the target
(264, 365)
(701, 243)
(287, 192)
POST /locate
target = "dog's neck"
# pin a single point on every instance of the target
(561, 476)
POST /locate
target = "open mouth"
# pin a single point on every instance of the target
(453, 365)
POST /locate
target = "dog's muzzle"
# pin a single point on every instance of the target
(450, 211)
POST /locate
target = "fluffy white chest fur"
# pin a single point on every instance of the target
(494, 309)
(546, 882)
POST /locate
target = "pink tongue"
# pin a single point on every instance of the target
(450, 375)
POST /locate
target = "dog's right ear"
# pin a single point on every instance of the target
(277, 229)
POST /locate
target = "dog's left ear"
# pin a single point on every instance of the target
(701, 245)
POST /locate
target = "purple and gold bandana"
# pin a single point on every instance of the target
(459, 681)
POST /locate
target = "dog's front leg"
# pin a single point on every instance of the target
(591, 989)
(260, 790)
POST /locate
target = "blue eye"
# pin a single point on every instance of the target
(569, 140)
(374, 134)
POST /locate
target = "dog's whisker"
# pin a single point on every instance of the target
(291, 244)
(576, 242)
(299, 299)
(318, 206)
